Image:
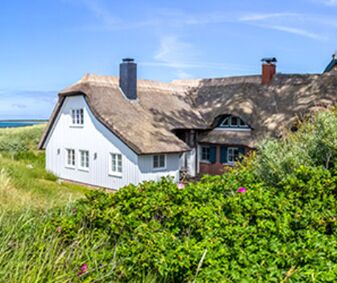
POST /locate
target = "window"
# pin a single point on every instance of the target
(84, 159)
(116, 163)
(70, 161)
(233, 122)
(77, 116)
(205, 153)
(159, 161)
(233, 154)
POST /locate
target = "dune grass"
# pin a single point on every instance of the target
(24, 182)
(20, 139)
(30, 251)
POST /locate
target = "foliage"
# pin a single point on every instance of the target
(24, 183)
(315, 144)
(14, 140)
(264, 235)
(272, 219)
(30, 251)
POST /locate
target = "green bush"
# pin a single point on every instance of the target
(15, 140)
(264, 235)
(272, 219)
(315, 144)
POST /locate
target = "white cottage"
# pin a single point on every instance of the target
(100, 134)
(110, 132)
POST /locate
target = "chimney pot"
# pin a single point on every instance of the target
(268, 69)
(128, 78)
(128, 60)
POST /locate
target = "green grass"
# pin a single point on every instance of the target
(24, 183)
(20, 139)
(29, 250)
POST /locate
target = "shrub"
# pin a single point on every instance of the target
(315, 144)
(273, 219)
(15, 140)
(266, 234)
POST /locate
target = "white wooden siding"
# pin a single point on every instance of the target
(100, 142)
(148, 173)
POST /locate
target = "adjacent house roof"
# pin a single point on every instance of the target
(332, 64)
(268, 109)
(146, 124)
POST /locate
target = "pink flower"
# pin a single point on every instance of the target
(242, 190)
(59, 229)
(180, 186)
(84, 269)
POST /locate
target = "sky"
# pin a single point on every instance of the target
(47, 45)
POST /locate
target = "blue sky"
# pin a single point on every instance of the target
(47, 45)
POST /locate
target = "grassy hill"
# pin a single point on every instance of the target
(24, 183)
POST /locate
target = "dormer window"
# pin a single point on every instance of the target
(233, 122)
(77, 116)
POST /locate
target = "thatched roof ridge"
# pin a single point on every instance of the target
(146, 124)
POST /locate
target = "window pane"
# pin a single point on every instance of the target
(81, 116)
(77, 116)
(205, 153)
(73, 116)
(159, 161)
(225, 122)
(233, 154)
(155, 161)
(119, 163)
(71, 157)
(113, 168)
(234, 121)
(113, 162)
(162, 161)
(84, 158)
(116, 162)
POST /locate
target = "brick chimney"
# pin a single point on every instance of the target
(268, 69)
(128, 78)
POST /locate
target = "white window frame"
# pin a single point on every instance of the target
(70, 157)
(77, 117)
(231, 126)
(231, 152)
(201, 153)
(159, 167)
(86, 161)
(118, 167)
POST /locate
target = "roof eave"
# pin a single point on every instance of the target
(131, 145)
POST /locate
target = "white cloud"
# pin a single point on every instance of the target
(296, 31)
(265, 16)
(174, 53)
(299, 24)
(182, 56)
(293, 23)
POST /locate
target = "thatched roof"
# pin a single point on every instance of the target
(268, 109)
(146, 124)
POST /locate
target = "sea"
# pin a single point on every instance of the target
(15, 124)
